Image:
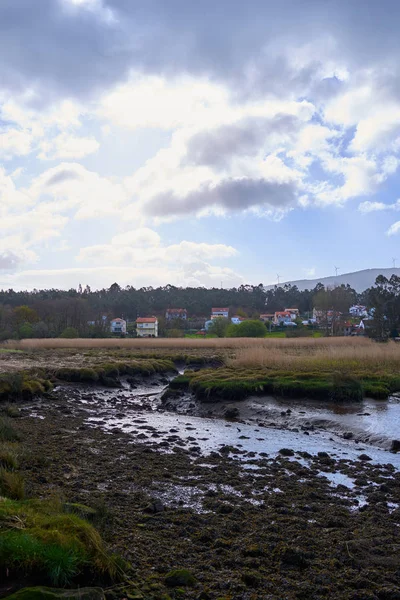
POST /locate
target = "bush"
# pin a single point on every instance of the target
(69, 332)
(12, 484)
(52, 544)
(8, 457)
(255, 329)
(7, 431)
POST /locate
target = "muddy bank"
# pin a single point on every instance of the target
(253, 511)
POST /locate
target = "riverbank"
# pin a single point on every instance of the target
(251, 499)
(273, 513)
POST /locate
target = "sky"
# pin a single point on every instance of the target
(203, 144)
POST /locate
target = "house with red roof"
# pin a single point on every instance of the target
(118, 326)
(218, 313)
(147, 327)
(175, 313)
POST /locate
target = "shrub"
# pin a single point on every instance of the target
(56, 545)
(253, 329)
(7, 431)
(8, 457)
(12, 484)
(69, 333)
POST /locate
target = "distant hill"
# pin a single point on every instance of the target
(359, 280)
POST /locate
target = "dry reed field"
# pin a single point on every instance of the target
(343, 354)
(295, 354)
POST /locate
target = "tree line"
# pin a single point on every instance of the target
(50, 312)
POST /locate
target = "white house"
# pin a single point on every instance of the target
(147, 327)
(236, 320)
(358, 311)
(282, 317)
(118, 325)
(176, 313)
(219, 312)
(294, 313)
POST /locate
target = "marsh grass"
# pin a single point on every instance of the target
(321, 355)
(9, 456)
(12, 484)
(38, 537)
(7, 431)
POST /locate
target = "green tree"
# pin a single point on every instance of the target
(248, 329)
(25, 330)
(69, 332)
(219, 327)
(24, 314)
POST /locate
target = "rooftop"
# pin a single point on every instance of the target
(146, 320)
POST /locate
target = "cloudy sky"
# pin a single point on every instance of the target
(195, 143)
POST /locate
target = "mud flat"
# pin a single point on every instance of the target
(256, 507)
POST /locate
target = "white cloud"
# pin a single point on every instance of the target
(393, 229)
(99, 277)
(71, 186)
(142, 238)
(367, 207)
(14, 142)
(67, 146)
(143, 246)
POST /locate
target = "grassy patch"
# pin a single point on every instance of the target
(38, 537)
(236, 384)
(12, 484)
(22, 384)
(104, 371)
(7, 431)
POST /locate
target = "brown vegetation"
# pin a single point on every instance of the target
(322, 354)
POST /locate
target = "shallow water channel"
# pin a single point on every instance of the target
(265, 425)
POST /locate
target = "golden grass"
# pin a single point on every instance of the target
(300, 344)
(295, 354)
(128, 343)
(323, 354)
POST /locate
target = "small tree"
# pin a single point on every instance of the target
(219, 327)
(248, 329)
(69, 332)
(25, 330)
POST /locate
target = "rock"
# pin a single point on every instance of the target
(323, 455)
(395, 447)
(178, 577)
(348, 435)
(231, 413)
(364, 457)
(286, 452)
(294, 557)
(44, 593)
(156, 506)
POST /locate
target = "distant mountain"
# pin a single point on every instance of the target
(360, 280)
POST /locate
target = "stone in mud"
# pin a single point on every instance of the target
(294, 557)
(155, 506)
(364, 457)
(178, 577)
(231, 413)
(286, 452)
(395, 447)
(44, 593)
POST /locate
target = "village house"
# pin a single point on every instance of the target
(267, 317)
(282, 317)
(236, 320)
(358, 311)
(176, 313)
(325, 315)
(294, 313)
(217, 313)
(147, 327)
(118, 326)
